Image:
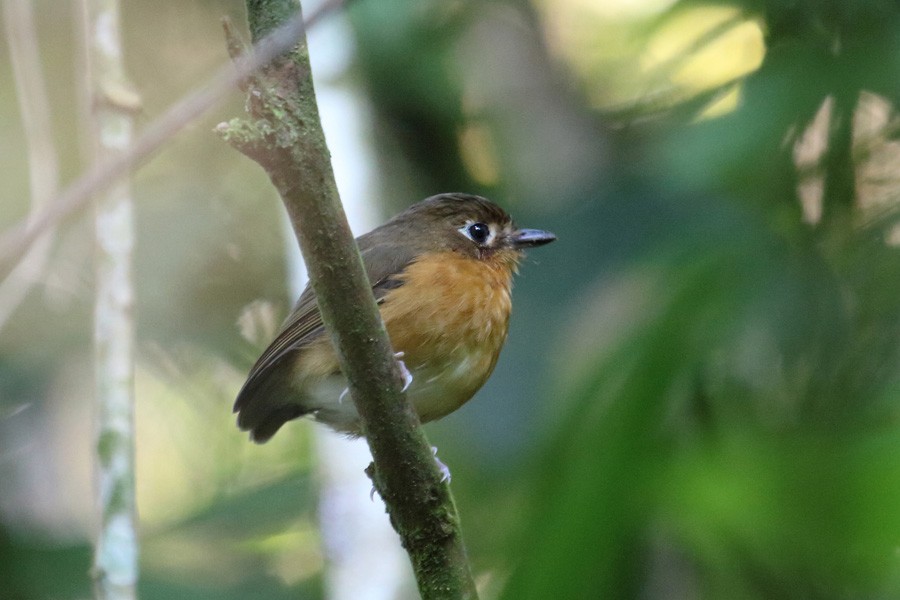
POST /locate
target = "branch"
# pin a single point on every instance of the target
(15, 241)
(43, 167)
(113, 107)
(285, 137)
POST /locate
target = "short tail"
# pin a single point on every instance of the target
(267, 401)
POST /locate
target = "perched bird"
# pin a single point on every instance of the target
(441, 272)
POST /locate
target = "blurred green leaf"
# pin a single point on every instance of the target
(260, 510)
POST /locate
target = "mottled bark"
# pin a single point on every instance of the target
(113, 106)
(285, 137)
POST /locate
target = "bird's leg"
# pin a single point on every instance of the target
(444, 469)
(404, 372)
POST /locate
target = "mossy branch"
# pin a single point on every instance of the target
(284, 135)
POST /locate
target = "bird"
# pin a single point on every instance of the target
(441, 272)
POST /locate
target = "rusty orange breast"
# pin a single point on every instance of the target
(450, 319)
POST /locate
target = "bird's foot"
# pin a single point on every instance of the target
(404, 372)
(444, 469)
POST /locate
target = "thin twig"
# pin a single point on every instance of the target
(14, 242)
(43, 166)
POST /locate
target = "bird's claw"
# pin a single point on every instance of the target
(444, 469)
(404, 372)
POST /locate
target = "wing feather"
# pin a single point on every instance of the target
(304, 325)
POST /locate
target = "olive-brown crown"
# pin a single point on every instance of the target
(455, 222)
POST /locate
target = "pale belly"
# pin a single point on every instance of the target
(435, 391)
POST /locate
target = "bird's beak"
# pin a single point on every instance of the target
(529, 238)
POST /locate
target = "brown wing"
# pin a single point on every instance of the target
(267, 400)
(302, 327)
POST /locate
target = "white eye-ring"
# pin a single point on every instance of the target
(478, 232)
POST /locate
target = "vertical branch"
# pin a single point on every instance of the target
(112, 106)
(285, 137)
(43, 167)
(349, 528)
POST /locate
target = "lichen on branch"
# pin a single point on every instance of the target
(284, 135)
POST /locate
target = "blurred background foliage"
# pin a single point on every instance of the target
(699, 397)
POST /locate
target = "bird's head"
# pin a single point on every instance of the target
(465, 224)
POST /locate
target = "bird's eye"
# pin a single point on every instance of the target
(478, 232)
